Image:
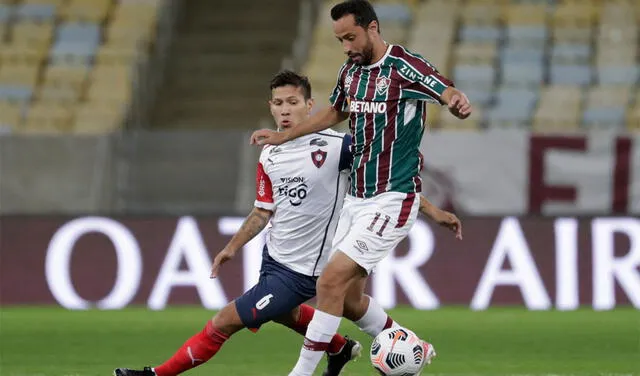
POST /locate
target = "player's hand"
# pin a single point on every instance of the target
(267, 137)
(450, 221)
(222, 257)
(459, 105)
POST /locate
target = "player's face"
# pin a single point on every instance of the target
(288, 106)
(356, 40)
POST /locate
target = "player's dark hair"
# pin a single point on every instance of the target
(288, 77)
(362, 12)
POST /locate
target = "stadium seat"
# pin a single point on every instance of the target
(10, 114)
(94, 11)
(576, 15)
(110, 84)
(527, 35)
(615, 56)
(481, 14)
(530, 75)
(479, 96)
(95, 118)
(475, 53)
(633, 118)
(571, 74)
(571, 54)
(604, 118)
(559, 97)
(608, 97)
(54, 93)
(36, 12)
(112, 55)
(73, 53)
(395, 33)
(526, 14)
(400, 13)
(21, 75)
(480, 75)
(74, 77)
(45, 118)
(469, 33)
(5, 13)
(74, 32)
(56, 3)
(565, 121)
(522, 54)
(32, 34)
(21, 55)
(500, 116)
(618, 75)
(570, 35)
(123, 38)
(517, 98)
(15, 93)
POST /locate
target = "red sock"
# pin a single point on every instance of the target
(306, 314)
(389, 323)
(197, 350)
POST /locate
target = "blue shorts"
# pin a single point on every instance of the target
(278, 291)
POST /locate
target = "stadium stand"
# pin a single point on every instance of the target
(61, 60)
(552, 65)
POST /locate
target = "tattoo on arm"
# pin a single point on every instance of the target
(255, 222)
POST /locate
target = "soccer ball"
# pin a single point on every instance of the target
(399, 352)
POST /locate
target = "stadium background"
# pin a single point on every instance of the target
(124, 166)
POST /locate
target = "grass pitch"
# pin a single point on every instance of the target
(500, 341)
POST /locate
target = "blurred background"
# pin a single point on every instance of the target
(125, 165)
(144, 106)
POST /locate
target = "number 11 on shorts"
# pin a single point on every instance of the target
(375, 220)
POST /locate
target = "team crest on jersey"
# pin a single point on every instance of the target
(318, 157)
(382, 85)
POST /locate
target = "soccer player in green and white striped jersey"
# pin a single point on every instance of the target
(383, 89)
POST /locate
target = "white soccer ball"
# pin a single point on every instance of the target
(399, 352)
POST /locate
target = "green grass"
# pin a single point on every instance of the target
(500, 341)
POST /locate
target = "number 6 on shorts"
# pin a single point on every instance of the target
(264, 301)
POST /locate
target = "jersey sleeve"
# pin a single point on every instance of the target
(346, 154)
(422, 80)
(338, 98)
(264, 189)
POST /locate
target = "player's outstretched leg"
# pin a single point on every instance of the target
(364, 311)
(369, 316)
(331, 287)
(197, 349)
(341, 349)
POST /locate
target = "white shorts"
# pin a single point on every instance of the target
(369, 228)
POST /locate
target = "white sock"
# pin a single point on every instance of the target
(321, 330)
(375, 319)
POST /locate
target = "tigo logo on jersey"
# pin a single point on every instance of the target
(368, 107)
(318, 157)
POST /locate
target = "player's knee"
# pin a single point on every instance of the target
(228, 320)
(329, 285)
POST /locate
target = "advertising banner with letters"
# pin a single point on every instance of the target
(541, 263)
(505, 172)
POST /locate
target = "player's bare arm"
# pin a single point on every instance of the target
(255, 222)
(441, 217)
(322, 120)
(457, 101)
